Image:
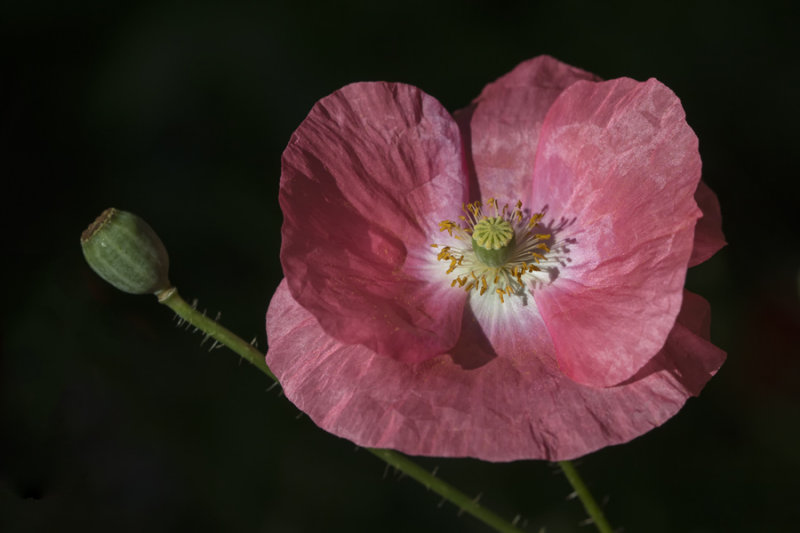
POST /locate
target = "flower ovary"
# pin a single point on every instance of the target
(493, 241)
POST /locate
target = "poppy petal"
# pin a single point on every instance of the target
(501, 126)
(513, 404)
(617, 167)
(365, 180)
(708, 237)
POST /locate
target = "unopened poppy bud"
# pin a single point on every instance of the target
(125, 251)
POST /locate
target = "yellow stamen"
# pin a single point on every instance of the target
(447, 225)
(535, 220)
(497, 249)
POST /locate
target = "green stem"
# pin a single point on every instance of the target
(213, 329)
(173, 300)
(447, 491)
(588, 501)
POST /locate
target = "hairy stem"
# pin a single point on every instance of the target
(588, 501)
(173, 300)
(213, 329)
(443, 489)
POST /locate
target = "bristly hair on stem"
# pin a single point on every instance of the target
(594, 511)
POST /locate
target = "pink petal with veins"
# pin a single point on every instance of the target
(708, 237)
(617, 165)
(499, 396)
(502, 125)
(365, 179)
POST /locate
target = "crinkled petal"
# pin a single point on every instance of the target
(616, 169)
(688, 356)
(502, 125)
(365, 180)
(499, 396)
(708, 237)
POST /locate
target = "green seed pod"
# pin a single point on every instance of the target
(125, 251)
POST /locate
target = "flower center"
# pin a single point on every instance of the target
(493, 240)
(501, 252)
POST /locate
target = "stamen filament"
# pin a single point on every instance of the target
(504, 251)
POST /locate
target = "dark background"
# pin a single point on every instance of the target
(113, 419)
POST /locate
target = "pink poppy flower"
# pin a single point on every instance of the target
(503, 283)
